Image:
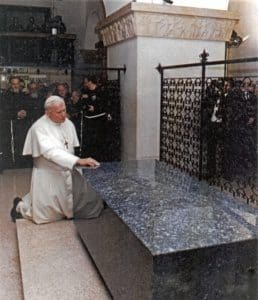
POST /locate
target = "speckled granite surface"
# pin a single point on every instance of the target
(168, 236)
(170, 211)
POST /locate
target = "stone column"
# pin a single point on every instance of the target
(143, 35)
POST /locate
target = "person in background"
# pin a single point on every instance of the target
(35, 102)
(74, 111)
(62, 90)
(15, 124)
(94, 104)
(50, 90)
(240, 136)
(23, 86)
(216, 102)
(84, 86)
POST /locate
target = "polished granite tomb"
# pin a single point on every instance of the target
(166, 235)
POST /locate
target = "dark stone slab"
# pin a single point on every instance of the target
(166, 235)
(124, 263)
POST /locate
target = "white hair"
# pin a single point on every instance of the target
(52, 100)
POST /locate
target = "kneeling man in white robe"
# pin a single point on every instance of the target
(58, 190)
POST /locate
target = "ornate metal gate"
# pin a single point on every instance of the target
(222, 153)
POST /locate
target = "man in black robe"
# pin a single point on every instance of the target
(94, 105)
(35, 101)
(15, 124)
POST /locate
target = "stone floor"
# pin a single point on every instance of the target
(54, 263)
(12, 183)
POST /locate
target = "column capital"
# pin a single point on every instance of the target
(152, 20)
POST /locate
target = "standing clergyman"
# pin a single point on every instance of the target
(58, 190)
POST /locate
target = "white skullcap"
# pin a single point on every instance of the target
(53, 100)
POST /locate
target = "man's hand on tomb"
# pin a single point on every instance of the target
(87, 162)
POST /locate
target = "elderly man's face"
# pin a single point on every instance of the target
(57, 112)
(15, 85)
(62, 91)
(75, 96)
(33, 87)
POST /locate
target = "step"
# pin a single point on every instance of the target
(55, 265)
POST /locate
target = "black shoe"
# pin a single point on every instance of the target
(14, 214)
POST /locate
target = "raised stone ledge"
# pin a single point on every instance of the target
(176, 22)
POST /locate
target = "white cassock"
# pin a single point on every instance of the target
(58, 190)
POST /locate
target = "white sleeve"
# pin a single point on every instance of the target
(61, 158)
(75, 137)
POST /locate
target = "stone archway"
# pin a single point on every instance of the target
(95, 13)
(112, 6)
(91, 38)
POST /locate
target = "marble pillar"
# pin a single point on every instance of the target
(141, 36)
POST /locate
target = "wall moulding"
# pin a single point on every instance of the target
(152, 20)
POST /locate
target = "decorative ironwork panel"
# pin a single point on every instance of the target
(180, 123)
(113, 142)
(228, 134)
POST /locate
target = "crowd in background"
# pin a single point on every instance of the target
(231, 128)
(87, 107)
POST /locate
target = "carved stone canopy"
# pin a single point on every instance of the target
(176, 22)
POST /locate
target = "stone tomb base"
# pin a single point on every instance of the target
(123, 262)
(132, 273)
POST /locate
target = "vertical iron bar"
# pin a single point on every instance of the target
(226, 58)
(12, 142)
(119, 73)
(203, 57)
(161, 71)
(118, 76)
(81, 133)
